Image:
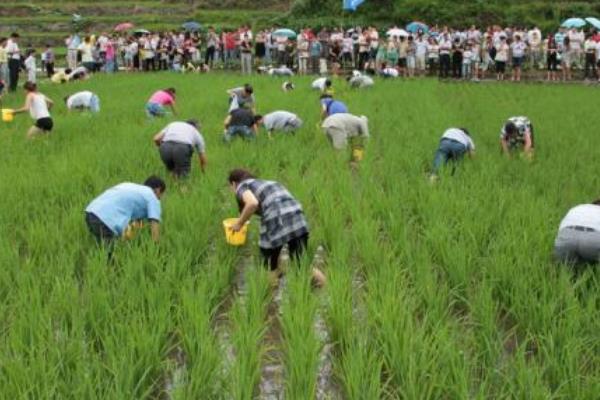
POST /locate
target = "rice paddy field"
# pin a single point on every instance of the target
(444, 291)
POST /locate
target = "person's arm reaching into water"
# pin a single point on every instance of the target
(25, 107)
(202, 161)
(250, 207)
(157, 139)
(155, 229)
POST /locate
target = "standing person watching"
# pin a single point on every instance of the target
(176, 143)
(518, 48)
(14, 61)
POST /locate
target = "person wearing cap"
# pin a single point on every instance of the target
(84, 100)
(517, 132)
(342, 127)
(177, 143)
(454, 144)
(242, 97)
(329, 106)
(283, 121)
(578, 237)
(241, 122)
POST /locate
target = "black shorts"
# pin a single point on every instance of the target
(402, 62)
(500, 67)
(44, 124)
(177, 157)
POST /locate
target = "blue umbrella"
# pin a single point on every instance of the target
(288, 33)
(415, 26)
(573, 23)
(192, 26)
(595, 22)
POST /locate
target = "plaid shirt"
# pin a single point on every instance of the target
(282, 218)
(524, 127)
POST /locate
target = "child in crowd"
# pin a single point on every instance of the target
(30, 66)
(467, 61)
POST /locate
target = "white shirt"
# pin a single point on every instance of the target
(182, 132)
(390, 72)
(421, 47)
(586, 215)
(80, 99)
(361, 81)
(319, 84)
(39, 107)
(518, 49)
(460, 136)
(86, 52)
(279, 120)
(12, 48)
(30, 63)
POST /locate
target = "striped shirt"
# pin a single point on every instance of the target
(282, 218)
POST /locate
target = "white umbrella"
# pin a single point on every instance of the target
(397, 32)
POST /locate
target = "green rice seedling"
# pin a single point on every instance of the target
(300, 344)
(248, 324)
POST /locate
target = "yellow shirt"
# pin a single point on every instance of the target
(3, 56)
(59, 77)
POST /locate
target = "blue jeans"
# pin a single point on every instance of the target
(449, 150)
(155, 110)
(242, 131)
(95, 104)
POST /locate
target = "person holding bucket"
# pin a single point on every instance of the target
(38, 106)
(342, 127)
(282, 218)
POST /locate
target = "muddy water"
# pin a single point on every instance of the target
(222, 326)
(271, 386)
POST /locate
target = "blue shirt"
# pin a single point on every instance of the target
(334, 106)
(123, 203)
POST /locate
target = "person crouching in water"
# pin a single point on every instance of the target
(454, 144)
(343, 127)
(282, 220)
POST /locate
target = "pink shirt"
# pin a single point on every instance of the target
(163, 98)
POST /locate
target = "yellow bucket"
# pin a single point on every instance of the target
(7, 115)
(235, 238)
(358, 154)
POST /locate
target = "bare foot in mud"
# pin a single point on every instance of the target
(318, 278)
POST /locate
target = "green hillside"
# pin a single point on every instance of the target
(50, 21)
